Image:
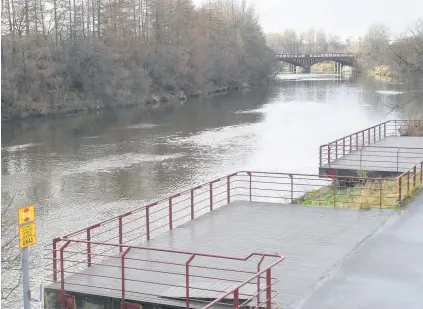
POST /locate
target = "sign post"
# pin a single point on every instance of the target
(27, 237)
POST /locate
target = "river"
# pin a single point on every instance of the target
(83, 168)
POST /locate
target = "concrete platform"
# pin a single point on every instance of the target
(380, 161)
(314, 241)
(386, 272)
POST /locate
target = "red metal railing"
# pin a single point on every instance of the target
(367, 137)
(144, 273)
(142, 224)
(369, 158)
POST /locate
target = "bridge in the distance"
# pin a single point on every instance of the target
(307, 60)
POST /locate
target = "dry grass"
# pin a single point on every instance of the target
(371, 194)
(411, 128)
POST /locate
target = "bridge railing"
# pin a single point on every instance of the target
(318, 55)
(368, 137)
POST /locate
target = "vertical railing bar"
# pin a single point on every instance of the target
(187, 287)
(120, 233)
(211, 196)
(55, 241)
(192, 204)
(89, 247)
(236, 299)
(170, 214)
(268, 289)
(399, 189)
(147, 222)
(62, 274)
(122, 304)
(228, 188)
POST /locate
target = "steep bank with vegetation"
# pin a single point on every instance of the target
(64, 56)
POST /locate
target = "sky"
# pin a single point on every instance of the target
(338, 17)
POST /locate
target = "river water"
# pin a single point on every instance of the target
(83, 168)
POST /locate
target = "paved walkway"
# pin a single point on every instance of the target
(314, 240)
(386, 272)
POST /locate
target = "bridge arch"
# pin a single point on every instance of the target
(307, 60)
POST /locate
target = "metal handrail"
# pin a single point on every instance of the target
(364, 138)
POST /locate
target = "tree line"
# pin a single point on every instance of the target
(310, 41)
(400, 58)
(66, 55)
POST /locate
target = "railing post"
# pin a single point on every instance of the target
(187, 280)
(268, 289)
(380, 133)
(399, 190)
(251, 188)
(122, 261)
(292, 188)
(363, 137)
(192, 204)
(62, 274)
(421, 172)
(343, 146)
(336, 149)
(329, 154)
(398, 151)
(368, 136)
(55, 241)
(147, 222)
(350, 144)
(320, 155)
(384, 130)
(120, 232)
(89, 247)
(374, 134)
(211, 196)
(228, 188)
(356, 141)
(170, 214)
(414, 176)
(408, 182)
(236, 299)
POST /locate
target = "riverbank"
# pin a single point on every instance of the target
(150, 102)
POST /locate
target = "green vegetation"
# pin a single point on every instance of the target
(367, 195)
(66, 56)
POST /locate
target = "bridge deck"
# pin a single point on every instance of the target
(386, 160)
(313, 240)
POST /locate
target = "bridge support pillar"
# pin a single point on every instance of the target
(306, 70)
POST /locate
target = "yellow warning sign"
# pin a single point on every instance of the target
(26, 214)
(27, 235)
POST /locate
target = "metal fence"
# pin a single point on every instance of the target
(185, 277)
(112, 239)
(364, 140)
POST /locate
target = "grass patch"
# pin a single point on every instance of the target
(366, 195)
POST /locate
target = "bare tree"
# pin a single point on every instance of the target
(10, 256)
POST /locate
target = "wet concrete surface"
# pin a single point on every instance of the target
(386, 272)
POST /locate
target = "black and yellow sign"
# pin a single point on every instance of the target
(27, 235)
(26, 219)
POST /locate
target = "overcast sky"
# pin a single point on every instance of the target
(338, 17)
